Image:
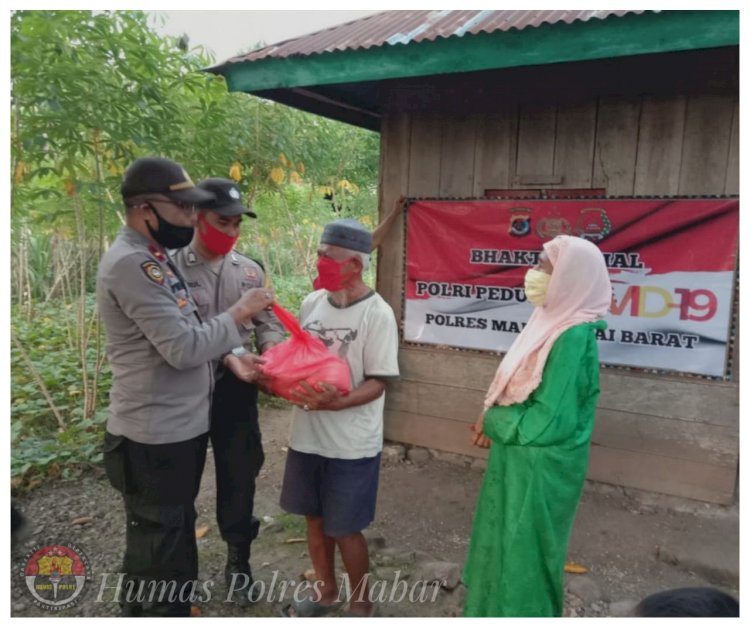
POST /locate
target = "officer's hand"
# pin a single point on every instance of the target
(308, 398)
(250, 304)
(246, 367)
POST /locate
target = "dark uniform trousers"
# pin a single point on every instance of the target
(159, 484)
(238, 457)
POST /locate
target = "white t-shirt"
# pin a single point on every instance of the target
(364, 333)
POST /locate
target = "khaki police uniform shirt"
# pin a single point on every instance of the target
(159, 349)
(217, 286)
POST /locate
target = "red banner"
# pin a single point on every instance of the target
(671, 263)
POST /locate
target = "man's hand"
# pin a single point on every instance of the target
(480, 439)
(245, 368)
(307, 398)
(251, 303)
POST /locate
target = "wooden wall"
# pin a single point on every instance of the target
(662, 433)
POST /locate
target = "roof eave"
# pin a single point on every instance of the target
(666, 31)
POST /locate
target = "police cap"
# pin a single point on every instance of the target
(227, 200)
(156, 175)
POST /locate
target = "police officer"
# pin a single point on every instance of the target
(160, 351)
(217, 275)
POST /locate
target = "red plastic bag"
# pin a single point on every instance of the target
(302, 358)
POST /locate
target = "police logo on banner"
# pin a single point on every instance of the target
(520, 223)
(552, 226)
(593, 224)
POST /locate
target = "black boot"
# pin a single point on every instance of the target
(238, 576)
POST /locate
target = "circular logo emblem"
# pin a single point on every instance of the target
(56, 575)
(234, 193)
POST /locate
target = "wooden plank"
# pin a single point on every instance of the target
(616, 145)
(432, 432)
(493, 159)
(670, 397)
(673, 438)
(447, 367)
(657, 167)
(424, 155)
(645, 471)
(457, 156)
(456, 404)
(574, 144)
(400, 395)
(394, 176)
(706, 402)
(732, 183)
(686, 440)
(708, 127)
(671, 476)
(536, 140)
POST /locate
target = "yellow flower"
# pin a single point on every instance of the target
(295, 178)
(301, 168)
(284, 161)
(277, 176)
(235, 172)
(348, 186)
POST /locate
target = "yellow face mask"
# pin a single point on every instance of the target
(535, 285)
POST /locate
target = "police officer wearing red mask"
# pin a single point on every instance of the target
(217, 275)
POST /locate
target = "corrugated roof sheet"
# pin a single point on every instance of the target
(404, 27)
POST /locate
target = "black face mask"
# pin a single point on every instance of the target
(168, 235)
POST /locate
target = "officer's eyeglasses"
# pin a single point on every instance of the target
(188, 208)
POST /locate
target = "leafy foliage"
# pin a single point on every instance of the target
(40, 447)
(90, 93)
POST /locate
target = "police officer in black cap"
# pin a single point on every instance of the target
(217, 276)
(160, 350)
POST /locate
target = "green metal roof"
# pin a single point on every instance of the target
(341, 84)
(633, 34)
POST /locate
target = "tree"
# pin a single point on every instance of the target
(91, 92)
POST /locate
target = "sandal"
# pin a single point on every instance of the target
(310, 608)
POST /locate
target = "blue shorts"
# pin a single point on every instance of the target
(342, 492)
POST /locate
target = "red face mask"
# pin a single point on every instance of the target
(329, 274)
(217, 242)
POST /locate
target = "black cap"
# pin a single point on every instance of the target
(156, 175)
(348, 234)
(227, 199)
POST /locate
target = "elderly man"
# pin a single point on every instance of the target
(333, 464)
(160, 351)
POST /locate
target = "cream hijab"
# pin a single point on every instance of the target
(579, 291)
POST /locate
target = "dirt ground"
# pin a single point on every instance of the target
(632, 544)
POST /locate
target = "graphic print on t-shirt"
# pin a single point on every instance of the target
(337, 337)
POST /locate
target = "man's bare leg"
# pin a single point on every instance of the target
(353, 548)
(321, 549)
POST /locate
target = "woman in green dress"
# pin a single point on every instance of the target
(538, 418)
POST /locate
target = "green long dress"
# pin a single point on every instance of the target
(534, 478)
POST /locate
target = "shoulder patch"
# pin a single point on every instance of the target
(153, 271)
(251, 260)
